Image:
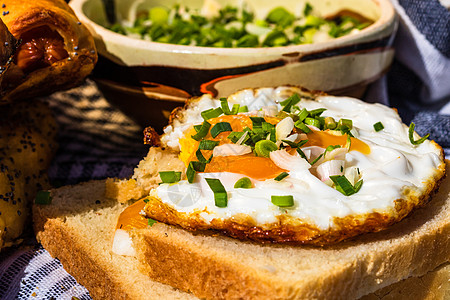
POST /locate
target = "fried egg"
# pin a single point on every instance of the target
(341, 179)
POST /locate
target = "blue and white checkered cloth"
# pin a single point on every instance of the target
(97, 141)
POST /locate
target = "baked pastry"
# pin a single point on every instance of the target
(27, 145)
(9, 45)
(56, 51)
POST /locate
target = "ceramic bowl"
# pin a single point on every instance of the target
(148, 79)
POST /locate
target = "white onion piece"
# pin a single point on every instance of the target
(312, 152)
(284, 128)
(330, 168)
(231, 150)
(122, 244)
(270, 111)
(314, 128)
(289, 162)
(242, 139)
(338, 153)
(352, 174)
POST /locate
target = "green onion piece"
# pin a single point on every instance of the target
(411, 135)
(273, 135)
(264, 147)
(257, 122)
(220, 127)
(289, 102)
(151, 222)
(281, 176)
(330, 123)
(197, 128)
(302, 115)
(348, 143)
(301, 153)
(211, 113)
(313, 122)
(344, 186)
(234, 136)
(316, 160)
(300, 125)
(220, 194)
(267, 126)
(203, 131)
(243, 183)
(226, 109)
(358, 185)
(345, 123)
(316, 112)
(201, 158)
(290, 143)
(193, 167)
(256, 137)
(170, 176)
(243, 108)
(378, 126)
(207, 144)
(43, 198)
(283, 201)
(331, 148)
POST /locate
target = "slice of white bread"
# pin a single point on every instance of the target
(78, 228)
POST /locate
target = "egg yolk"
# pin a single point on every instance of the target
(324, 139)
(131, 218)
(259, 168)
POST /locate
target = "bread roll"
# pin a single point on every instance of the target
(56, 50)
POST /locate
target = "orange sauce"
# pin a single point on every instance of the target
(259, 168)
(324, 139)
(130, 217)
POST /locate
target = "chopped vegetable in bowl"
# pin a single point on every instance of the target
(231, 27)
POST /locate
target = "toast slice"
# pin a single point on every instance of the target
(78, 228)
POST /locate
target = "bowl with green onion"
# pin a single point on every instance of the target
(155, 54)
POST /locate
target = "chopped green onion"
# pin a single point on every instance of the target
(344, 186)
(348, 143)
(226, 109)
(151, 222)
(378, 126)
(267, 126)
(211, 113)
(411, 135)
(313, 122)
(301, 153)
(345, 124)
(243, 108)
(257, 122)
(43, 198)
(197, 128)
(302, 115)
(201, 158)
(235, 136)
(273, 135)
(219, 128)
(289, 102)
(283, 201)
(281, 176)
(295, 145)
(193, 167)
(330, 123)
(264, 147)
(207, 144)
(316, 160)
(243, 183)
(317, 112)
(220, 194)
(300, 125)
(170, 176)
(202, 132)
